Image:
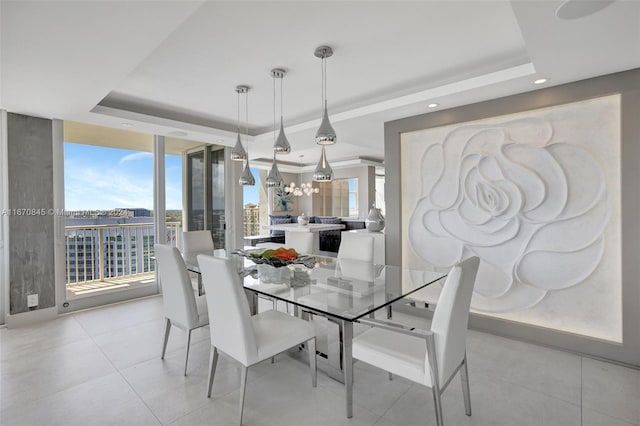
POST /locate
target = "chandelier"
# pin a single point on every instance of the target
(304, 189)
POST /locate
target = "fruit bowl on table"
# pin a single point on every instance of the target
(277, 257)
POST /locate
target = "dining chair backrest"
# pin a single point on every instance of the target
(229, 316)
(302, 242)
(449, 324)
(356, 269)
(177, 294)
(197, 241)
(356, 247)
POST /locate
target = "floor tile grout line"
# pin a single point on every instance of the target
(53, 345)
(139, 396)
(73, 385)
(122, 328)
(537, 391)
(125, 380)
(394, 402)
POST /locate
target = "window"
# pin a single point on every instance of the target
(339, 198)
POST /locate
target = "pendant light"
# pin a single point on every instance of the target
(325, 134)
(246, 178)
(274, 178)
(281, 144)
(238, 153)
(324, 172)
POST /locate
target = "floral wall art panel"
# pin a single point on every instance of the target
(536, 195)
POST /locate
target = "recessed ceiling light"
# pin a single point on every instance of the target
(541, 81)
(220, 141)
(574, 9)
(126, 125)
(178, 133)
(432, 105)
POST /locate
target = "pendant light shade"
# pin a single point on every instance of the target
(246, 178)
(325, 134)
(237, 152)
(324, 172)
(274, 178)
(281, 144)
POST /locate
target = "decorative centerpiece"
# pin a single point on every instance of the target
(375, 220)
(303, 219)
(270, 263)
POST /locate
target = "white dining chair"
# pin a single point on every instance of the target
(245, 338)
(428, 357)
(302, 242)
(180, 307)
(197, 241)
(356, 247)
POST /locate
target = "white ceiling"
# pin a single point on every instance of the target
(172, 66)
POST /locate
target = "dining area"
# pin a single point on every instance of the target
(160, 362)
(262, 302)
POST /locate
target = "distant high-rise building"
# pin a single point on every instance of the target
(251, 219)
(126, 246)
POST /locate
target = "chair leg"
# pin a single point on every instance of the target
(437, 402)
(212, 368)
(311, 347)
(167, 329)
(186, 357)
(243, 388)
(464, 377)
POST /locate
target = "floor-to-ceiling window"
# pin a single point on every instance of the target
(196, 197)
(108, 219)
(205, 192)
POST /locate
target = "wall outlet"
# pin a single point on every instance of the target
(32, 301)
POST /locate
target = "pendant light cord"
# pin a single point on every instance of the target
(246, 103)
(324, 77)
(238, 92)
(274, 116)
(322, 85)
(281, 102)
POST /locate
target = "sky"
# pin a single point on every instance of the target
(102, 178)
(251, 192)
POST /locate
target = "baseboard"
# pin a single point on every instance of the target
(31, 317)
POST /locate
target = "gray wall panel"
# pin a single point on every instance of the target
(31, 259)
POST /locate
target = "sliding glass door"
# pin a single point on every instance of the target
(205, 192)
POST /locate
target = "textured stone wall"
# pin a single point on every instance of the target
(31, 259)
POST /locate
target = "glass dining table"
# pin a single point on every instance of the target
(340, 290)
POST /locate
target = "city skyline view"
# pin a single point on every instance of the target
(103, 178)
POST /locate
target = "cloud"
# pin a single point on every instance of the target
(136, 156)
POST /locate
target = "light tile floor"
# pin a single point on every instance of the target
(102, 367)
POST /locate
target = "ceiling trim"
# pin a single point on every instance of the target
(291, 168)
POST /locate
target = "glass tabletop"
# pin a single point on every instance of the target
(345, 289)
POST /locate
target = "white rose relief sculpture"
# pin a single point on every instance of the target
(534, 210)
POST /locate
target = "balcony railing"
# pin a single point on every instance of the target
(106, 252)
